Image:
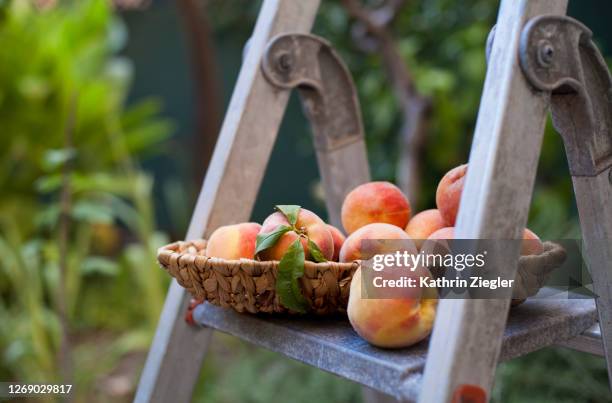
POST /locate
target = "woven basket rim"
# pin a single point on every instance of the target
(179, 249)
(248, 284)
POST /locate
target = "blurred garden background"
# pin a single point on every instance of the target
(109, 112)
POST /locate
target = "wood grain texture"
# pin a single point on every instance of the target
(593, 199)
(227, 196)
(330, 102)
(588, 341)
(342, 170)
(466, 340)
(332, 344)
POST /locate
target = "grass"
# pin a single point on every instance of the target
(238, 372)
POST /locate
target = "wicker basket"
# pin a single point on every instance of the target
(534, 271)
(249, 285)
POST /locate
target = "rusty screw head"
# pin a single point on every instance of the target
(285, 62)
(546, 52)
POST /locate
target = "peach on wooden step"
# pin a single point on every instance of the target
(375, 202)
(391, 323)
(233, 241)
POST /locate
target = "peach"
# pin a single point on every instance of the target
(391, 323)
(532, 245)
(308, 226)
(233, 241)
(448, 194)
(353, 250)
(435, 242)
(443, 233)
(422, 225)
(338, 238)
(375, 202)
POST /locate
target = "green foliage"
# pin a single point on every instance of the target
(442, 43)
(238, 372)
(290, 270)
(552, 375)
(315, 252)
(48, 62)
(291, 212)
(67, 131)
(267, 240)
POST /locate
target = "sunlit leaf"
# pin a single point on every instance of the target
(315, 252)
(290, 212)
(99, 265)
(290, 270)
(267, 240)
(92, 212)
(54, 159)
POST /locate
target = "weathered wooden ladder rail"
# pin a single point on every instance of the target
(538, 60)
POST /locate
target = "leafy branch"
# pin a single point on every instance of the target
(65, 350)
(372, 31)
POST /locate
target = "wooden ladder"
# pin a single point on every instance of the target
(538, 60)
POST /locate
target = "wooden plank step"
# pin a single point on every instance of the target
(589, 341)
(332, 345)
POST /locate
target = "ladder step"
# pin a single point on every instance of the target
(332, 345)
(588, 341)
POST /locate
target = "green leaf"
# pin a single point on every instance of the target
(99, 265)
(47, 217)
(315, 252)
(290, 269)
(55, 158)
(290, 212)
(92, 212)
(48, 183)
(267, 240)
